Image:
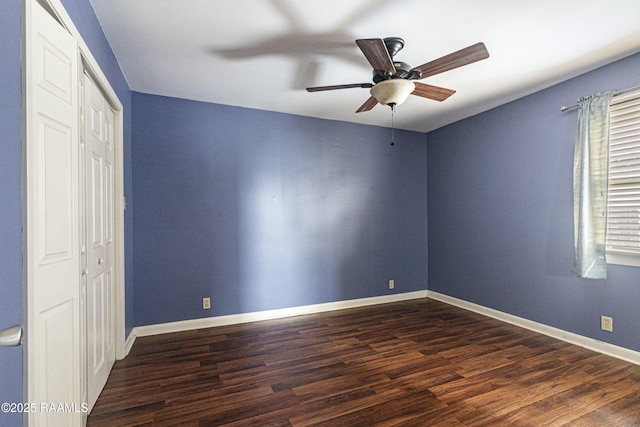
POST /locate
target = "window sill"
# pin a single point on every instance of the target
(631, 260)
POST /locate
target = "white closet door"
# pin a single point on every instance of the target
(100, 245)
(53, 260)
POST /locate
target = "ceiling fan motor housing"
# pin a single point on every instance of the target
(403, 71)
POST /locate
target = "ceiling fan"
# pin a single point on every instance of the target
(393, 81)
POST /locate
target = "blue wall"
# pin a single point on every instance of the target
(262, 210)
(501, 214)
(10, 204)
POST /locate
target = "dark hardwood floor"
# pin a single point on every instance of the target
(414, 363)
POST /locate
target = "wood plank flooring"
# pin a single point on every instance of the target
(414, 363)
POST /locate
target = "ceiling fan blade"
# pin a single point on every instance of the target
(432, 92)
(468, 55)
(377, 54)
(368, 105)
(334, 87)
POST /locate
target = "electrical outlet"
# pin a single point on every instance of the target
(606, 323)
(206, 303)
(392, 284)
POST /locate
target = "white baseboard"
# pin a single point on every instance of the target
(210, 322)
(129, 342)
(580, 340)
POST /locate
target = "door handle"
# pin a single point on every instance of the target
(11, 336)
(100, 261)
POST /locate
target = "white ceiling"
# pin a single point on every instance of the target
(263, 53)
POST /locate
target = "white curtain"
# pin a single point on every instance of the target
(590, 171)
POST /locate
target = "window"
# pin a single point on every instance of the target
(623, 206)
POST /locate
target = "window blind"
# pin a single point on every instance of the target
(623, 206)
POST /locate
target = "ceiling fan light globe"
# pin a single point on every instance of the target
(392, 91)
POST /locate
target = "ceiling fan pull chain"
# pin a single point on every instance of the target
(393, 137)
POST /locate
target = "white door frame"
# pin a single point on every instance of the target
(90, 63)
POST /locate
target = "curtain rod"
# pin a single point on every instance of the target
(620, 92)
